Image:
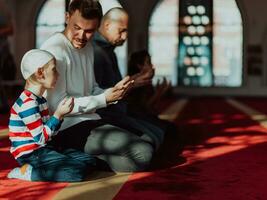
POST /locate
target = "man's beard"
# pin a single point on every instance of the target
(119, 43)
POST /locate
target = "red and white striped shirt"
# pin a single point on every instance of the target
(30, 126)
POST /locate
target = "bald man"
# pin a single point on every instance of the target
(113, 32)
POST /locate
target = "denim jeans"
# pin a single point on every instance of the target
(50, 165)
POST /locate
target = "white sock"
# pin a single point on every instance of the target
(23, 173)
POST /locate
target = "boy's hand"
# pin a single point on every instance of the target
(64, 107)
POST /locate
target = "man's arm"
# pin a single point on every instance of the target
(83, 104)
(86, 104)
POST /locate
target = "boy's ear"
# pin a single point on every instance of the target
(39, 73)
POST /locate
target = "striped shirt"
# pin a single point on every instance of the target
(30, 126)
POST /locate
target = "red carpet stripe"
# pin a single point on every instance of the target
(225, 156)
(4, 121)
(20, 190)
(17, 189)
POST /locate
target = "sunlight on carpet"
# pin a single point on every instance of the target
(224, 151)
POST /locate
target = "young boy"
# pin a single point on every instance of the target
(31, 127)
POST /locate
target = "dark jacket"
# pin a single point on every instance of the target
(106, 67)
(107, 72)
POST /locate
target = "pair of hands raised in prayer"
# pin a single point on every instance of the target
(126, 84)
(112, 94)
(119, 90)
(64, 107)
(144, 77)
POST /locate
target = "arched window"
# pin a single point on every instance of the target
(205, 38)
(108, 4)
(51, 19)
(227, 44)
(163, 39)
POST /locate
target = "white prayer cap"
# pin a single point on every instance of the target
(32, 60)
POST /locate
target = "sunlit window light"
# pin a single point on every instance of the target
(191, 71)
(200, 30)
(192, 30)
(200, 71)
(191, 50)
(199, 50)
(223, 35)
(51, 19)
(164, 40)
(108, 4)
(204, 60)
(191, 10)
(221, 72)
(196, 40)
(195, 60)
(187, 40)
(205, 40)
(196, 20)
(187, 61)
(227, 44)
(186, 81)
(187, 20)
(200, 10)
(205, 20)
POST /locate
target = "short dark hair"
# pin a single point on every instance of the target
(137, 58)
(89, 9)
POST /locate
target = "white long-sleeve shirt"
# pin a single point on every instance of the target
(76, 79)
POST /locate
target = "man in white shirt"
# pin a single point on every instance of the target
(122, 150)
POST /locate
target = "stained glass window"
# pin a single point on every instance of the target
(197, 42)
(195, 47)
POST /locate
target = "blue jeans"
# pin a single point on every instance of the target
(50, 165)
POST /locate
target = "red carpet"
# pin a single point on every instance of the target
(3, 121)
(256, 103)
(225, 156)
(17, 189)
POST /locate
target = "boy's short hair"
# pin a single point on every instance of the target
(89, 9)
(33, 60)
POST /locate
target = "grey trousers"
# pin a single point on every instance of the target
(122, 150)
(147, 131)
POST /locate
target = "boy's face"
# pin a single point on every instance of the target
(50, 74)
(80, 30)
